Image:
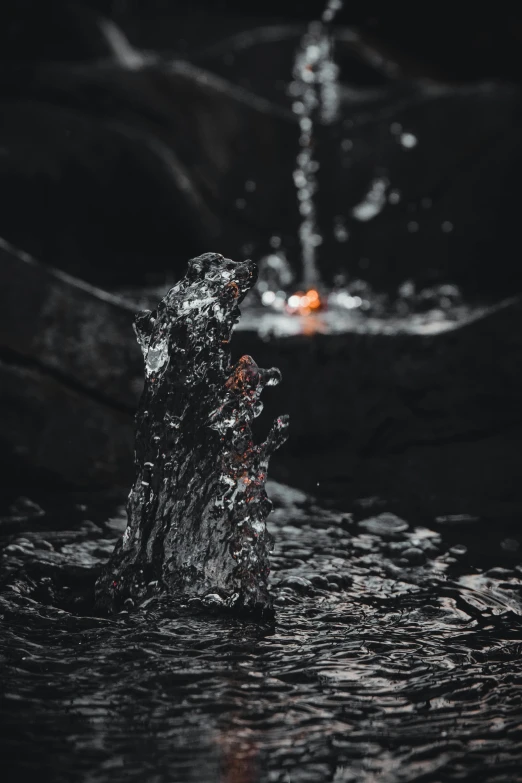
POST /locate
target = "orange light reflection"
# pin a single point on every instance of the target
(304, 303)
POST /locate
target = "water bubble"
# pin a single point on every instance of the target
(332, 8)
(408, 140)
(275, 273)
(340, 231)
(346, 300)
(407, 289)
(268, 297)
(373, 202)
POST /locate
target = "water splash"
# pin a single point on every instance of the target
(315, 93)
(197, 509)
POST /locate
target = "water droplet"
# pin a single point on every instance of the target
(373, 202)
(408, 140)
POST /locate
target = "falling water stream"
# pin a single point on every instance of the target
(315, 93)
(349, 304)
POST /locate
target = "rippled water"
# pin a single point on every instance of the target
(395, 656)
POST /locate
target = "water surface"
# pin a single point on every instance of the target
(395, 656)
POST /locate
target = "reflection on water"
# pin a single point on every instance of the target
(395, 656)
(343, 311)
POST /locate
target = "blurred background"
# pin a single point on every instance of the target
(113, 153)
(135, 134)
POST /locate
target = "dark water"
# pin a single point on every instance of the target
(396, 656)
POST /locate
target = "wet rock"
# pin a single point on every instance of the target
(71, 376)
(55, 433)
(198, 507)
(79, 334)
(177, 149)
(399, 405)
